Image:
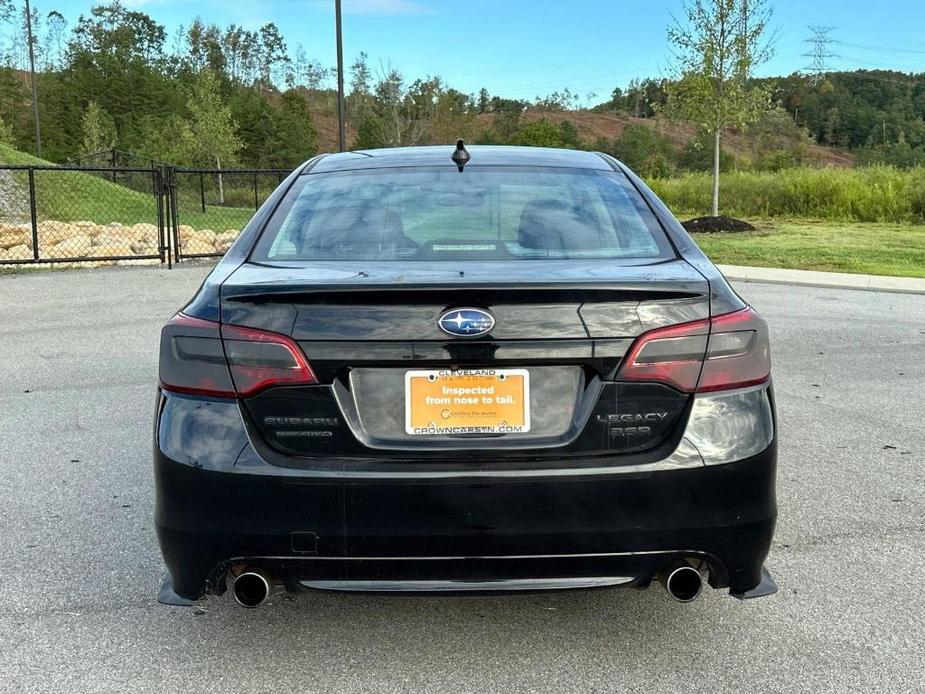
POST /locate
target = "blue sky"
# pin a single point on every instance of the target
(525, 48)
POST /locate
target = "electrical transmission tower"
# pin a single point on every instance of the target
(820, 52)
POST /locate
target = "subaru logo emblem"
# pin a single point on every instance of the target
(466, 322)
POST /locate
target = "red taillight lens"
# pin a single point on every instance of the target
(725, 352)
(739, 353)
(192, 360)
(671, 355)
(260, 359)
(201, 357)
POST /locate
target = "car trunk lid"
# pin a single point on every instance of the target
(567, 324)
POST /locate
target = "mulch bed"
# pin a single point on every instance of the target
(719, 224)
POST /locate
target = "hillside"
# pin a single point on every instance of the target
(592, 126)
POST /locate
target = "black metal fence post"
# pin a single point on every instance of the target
(202, 191)
(33, 216)
(256, 200)
(174, 212)
(163, 240)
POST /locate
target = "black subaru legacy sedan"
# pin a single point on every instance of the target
(435, 369)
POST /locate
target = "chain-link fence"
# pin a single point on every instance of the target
(114, 159)
(125, 215)
(93, 215)
(210, 207)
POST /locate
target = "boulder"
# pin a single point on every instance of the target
(110, 238)
(92, 228)
(111, 249)
(51, 231)
(75, 247)
(21, 252)
(143, 231)
(203, 235)
(224, 240)
(11, 236)
(194, 247)
(143, 248)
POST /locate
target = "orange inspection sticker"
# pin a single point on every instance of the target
(467, 401)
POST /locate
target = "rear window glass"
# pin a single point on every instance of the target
(508, 213)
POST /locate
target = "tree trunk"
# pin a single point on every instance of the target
(221, 188)
(716, 137)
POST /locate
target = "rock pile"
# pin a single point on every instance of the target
(91, 240)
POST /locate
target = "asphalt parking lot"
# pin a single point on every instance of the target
(80, 568)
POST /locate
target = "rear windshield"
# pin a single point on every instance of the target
(500, 213)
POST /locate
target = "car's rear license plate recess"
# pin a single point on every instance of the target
(443, 402)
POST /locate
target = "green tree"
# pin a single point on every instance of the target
(7, 10)
(643, 150)
(777, 141)
(506, 117)
(210, 138)
(484, 101)
(7, 137)
(698, 155)
(295, 130)
(370, 134)
(718, 46)
(540, 133)
(156, 137)
(360, 96)
(97, 129)
(117, 58)
(568, 135)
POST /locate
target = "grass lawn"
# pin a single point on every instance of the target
(872, 249)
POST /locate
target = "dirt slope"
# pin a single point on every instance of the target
(591, 125)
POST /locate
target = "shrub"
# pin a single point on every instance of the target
(370, 134)
(6, 134)
(540, 133)
(643, 150)
(873, 194)
(917, 193)
(698, 155)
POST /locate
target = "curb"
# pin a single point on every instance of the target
(831, 280)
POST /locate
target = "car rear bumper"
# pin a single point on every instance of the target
(426, 534)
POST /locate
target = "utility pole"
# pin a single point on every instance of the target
(341, 110)
(35, 90)
(820, 52)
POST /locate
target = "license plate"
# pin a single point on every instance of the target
(467, 401)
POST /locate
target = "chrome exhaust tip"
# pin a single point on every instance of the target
(251, 588)
(682, 582)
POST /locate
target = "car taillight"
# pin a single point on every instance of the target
(201, 357)
(725, 352)
(259, 360)
(739, 352)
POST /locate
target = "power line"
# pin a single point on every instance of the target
(911, 78)
(820, 52)
(889, 49)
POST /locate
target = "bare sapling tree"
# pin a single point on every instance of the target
(716, 46)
